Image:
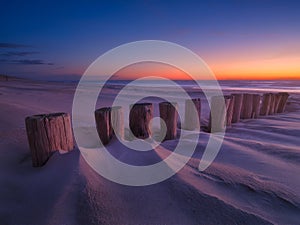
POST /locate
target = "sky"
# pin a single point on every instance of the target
(237, 39)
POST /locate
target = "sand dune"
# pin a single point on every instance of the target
(254, 179)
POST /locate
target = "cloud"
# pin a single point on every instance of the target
(12, 45)
(27, 62)
(31, 62)
(19, 57)
(11, 54)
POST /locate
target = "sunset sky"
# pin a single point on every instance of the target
(237, 39)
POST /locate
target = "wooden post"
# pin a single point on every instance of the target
(229, 113)
(192, 114)
(218, 119)
(48, 133)
(139, 119)
(168, 112)
(272, 104)
(278, 97)
(109, 121)
(238, 102)
(265, 106)
(283, 101)
(256, 106)
(247, 106)
(117, 121)
(103, 124)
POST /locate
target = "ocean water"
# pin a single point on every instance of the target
(291, 86)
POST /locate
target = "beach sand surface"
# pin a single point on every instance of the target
(253, 180)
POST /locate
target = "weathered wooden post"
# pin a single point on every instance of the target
(103, 124)
(272, 104)
(117, 121)
(139, 119)
(238, 102)
(109, 121)
(192, 114)
(168, 113)
(256, 106)
(229, 113)
(218, 109)
(277, 102)
(283, 100)
(265, 106)
(48, 133)
(247, 106)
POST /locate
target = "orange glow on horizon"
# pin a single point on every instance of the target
(268, 69)
(260, 61)
(248, 70)
(145, 69)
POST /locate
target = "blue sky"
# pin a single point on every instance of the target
(50, 39)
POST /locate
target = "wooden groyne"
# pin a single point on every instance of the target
(247, 107)
(47, 133)
(52, 132)
(140, 117)
(255, 106)
(109, 122)
(230, 108)
(218, 113)
(168, 113)
(192, 114)
(237, 108)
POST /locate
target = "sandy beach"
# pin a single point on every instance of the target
(253, 180)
